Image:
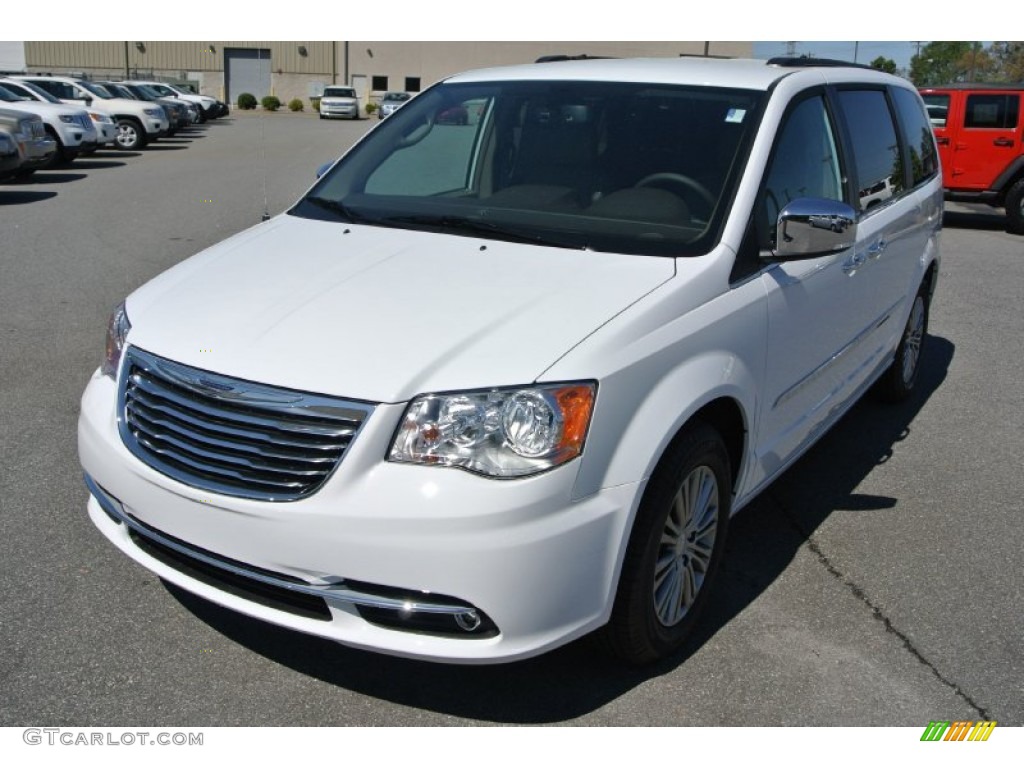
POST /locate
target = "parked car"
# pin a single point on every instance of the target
(339, 101)
(71, 129)
(138, 122)
(392, 100)
(144, 90)
(486, 389)
(177, 116)
(35, 148)
(209, 107)
(102, 122)
(980, 132)
(10, 158)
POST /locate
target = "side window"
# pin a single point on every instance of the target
(996, 110)
(938, 108)
(876, 151)
(917, 134)
(804, 162)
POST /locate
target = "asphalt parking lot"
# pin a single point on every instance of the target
(880, 581)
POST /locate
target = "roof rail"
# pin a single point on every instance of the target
(568, 57)
(810, 61)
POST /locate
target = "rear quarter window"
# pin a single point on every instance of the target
(917, 135)
(995, 110)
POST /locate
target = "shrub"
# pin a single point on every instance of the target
(295, 105)
(246, 101)
(271, 103)
(315, 103)
(371, 107)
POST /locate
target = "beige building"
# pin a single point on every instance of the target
(297, 69)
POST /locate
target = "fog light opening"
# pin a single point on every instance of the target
(470, 621)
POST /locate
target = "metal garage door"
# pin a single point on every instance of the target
(246, 70)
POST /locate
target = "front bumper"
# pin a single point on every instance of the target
(522, 553)
(37, 153)
(339, 110)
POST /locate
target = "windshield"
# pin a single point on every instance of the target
(96, 89)
(607, 166)
(6, 95)
(147, 93)
(344, 92)
(36, 94)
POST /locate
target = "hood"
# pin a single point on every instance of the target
(43, 109)
(382, 314)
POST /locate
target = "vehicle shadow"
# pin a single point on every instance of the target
(991, 219)
(89, 165)
(163, 146)
(577, 679)
(51, 177)
(19, 197)
(111, 153)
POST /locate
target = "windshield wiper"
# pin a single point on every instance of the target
(461, 225)
(336, 206)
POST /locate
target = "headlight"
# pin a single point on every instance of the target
(153, 112)
(100, 118)
(117, 332)
(499, 433)
(68, 119)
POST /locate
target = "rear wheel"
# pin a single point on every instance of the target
(674, 551)
(899, 380)
(1015, 208)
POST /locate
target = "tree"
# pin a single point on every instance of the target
(943, 61)
(884, 64)
(1008, 60)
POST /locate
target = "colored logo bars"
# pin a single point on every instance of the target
(961, 730)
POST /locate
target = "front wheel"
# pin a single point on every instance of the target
(130, 134)
(1015, 208)
(674, 551)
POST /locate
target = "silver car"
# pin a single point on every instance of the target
(392, 101)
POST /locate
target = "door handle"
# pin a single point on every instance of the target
(1003, 142)
(943, 140)
(876, 248)
(854, 263)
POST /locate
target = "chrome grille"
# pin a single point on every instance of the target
(232, 436)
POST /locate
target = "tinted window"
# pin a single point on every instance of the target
(876, 152)
(992, 111)
(804, 162)
(938, 108)
(917, 134)
(60, 90)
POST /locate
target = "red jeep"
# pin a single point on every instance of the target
(981, 145)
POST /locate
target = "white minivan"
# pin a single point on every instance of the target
(502, 376)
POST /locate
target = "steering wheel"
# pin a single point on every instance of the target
(688, 186)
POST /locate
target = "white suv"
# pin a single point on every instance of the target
(339, 101)
(502, 376)
(70, 128)
(138, 122)
(102, 122)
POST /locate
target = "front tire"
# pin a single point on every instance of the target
(1015, 208)
(674, 551)
(130, 134)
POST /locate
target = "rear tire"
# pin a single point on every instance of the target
(674, 550)
(1015, 208)
(900, 378)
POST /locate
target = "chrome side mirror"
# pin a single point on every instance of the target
(809, 227)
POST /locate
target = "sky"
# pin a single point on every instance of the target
(862, 52)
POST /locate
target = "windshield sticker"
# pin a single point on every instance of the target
(735, 115)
